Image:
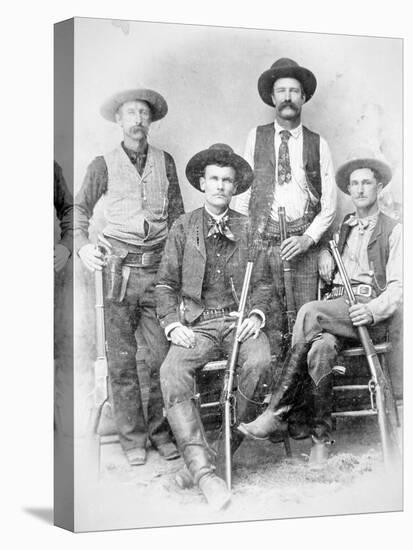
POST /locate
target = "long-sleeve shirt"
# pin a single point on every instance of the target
(356, 263)
(63, 204)
(294, 195)
(95, 185)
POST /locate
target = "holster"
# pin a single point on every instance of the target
(113, 276)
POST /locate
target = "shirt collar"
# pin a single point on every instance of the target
(296, 132)
(134, 154)
(214, 216)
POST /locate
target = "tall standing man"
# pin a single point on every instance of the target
(202, 270)
(142, 198)
(292, 168)
(370, 244)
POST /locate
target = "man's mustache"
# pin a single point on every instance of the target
(139, 128)
(288, 104)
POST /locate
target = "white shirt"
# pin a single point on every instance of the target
(295, 194)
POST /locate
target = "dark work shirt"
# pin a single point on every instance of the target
(63, 204)
(216, 286)
(137, 159)
(95, 184)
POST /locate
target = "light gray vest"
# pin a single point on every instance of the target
(132, 200)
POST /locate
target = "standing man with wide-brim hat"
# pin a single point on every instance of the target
(142, 198)
(292, 169)
(370, 244)
(201, 275)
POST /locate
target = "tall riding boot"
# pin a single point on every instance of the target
(273, 419)
(189, 433)
(322, 422)
(245, 410)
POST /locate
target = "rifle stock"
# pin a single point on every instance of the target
(386, 410)
(101, 364)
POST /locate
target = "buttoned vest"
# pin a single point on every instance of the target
(263, 187)
(136, 207)
(377, 249)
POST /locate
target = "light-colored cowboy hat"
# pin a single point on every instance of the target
(285, 68)
(355, 162)
(219, 153)
(156, 102)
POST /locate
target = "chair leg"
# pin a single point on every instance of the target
(287, 446)
(383, 361)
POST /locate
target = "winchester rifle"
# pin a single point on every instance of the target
(386, 410)
(227, 398)
(287, 276)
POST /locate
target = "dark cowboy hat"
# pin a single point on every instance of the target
(285, 68)
(344, 172)
(219, 153)
(156, 102)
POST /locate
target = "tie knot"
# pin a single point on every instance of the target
(285, 135)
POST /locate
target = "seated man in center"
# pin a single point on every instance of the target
(198, 287)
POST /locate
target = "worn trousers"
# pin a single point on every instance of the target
(137, 309)
(326, 325)
(304, 270)
(213, 339)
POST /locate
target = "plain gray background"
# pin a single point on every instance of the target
(208, 75)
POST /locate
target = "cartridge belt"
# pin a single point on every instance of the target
(359, 290)
(296, 227)
(216, 313)
(143, 259)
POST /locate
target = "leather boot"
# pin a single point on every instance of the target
(322, 422)
(273, 419)
(189, 433)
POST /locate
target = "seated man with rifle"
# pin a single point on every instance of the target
(371, 247)
(201, 292)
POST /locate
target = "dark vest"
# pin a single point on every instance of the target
(377, 249)
(263, 187)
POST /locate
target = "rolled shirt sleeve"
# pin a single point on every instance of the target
(328, 200)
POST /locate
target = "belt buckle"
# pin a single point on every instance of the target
(364, 290)
(145, 258)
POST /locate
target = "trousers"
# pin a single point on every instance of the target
(137, 309)
(326, 325)
(214, 338)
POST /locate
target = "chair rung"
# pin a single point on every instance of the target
(385, 347)
(214, 366)
(209, 405)
(351, 387)
(367, 412)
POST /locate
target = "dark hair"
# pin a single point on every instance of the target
(376, 174)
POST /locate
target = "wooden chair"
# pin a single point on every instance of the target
(207, 390)
(354, 387)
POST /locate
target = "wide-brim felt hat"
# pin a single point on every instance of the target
(344, 172)
(219, 153)
(157, 103)
(285, 68)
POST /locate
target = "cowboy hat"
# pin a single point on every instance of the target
(219, 153)
(344, 172)
(156, 102)
(285, 68)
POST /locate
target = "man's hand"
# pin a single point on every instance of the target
(91, 257)
(292, 246)
(61, 255)
(326, 266)
(250, 327)
(182, 336)
(360, 315)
